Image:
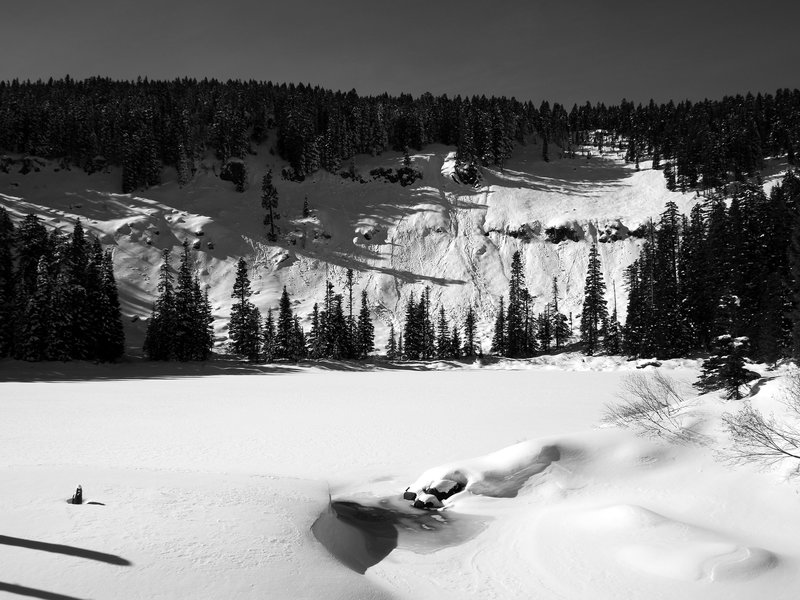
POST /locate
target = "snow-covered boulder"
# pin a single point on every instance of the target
(431, 496)
(427, 501)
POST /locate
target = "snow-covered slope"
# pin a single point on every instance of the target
(437, 232)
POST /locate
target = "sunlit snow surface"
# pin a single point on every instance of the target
(209, 486)
(207, 479)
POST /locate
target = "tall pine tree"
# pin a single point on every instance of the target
(595, 312)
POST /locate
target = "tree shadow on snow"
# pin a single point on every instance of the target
(13, 371)
(20, 590)
(575, 177)
(111, 559)
(134, 368)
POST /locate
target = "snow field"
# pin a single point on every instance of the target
(210, 486)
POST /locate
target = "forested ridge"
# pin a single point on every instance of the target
(144, 126)
(722, 279)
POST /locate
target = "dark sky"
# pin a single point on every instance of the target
(564, 51)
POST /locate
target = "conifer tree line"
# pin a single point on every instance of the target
(519, 332)
(180, 327)
(726, 277)
(58, 294)
(428, 334)
(335, 331)
(145, 125)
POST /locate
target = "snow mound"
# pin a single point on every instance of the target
(650, 543)
(499, 475)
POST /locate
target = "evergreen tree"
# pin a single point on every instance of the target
(35, 328)
(74, 299)
(428, 334)
(499, 338)
(185, 335)
(366, 330)
(612, 343)
(443, 345)
(159, 339)
(791, 187)
(725, 369)
(530, 326)
(269, 200)
(327, 332)
(351, 321)
(110, 338)
(203, 323)
(544, 330)
(455, 343)
(515, 342)
(285, 329)
(695, 293)
(298, 346)
(32, 244)
(60, 343)
(268, 348)
(244, 329)
(470, 333)
(412, 334)
(669, 174)
(338, 331)
(638, 338)
(717, 267)
(595, 313)
(668, 321)
(316, 339)
(185, 167)
(7, 287)
(391, 345)
(559, 322)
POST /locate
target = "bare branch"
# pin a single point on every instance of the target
(764, 439)
(650, 404)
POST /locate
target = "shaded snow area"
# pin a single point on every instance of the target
(290, 483)
(456, 238)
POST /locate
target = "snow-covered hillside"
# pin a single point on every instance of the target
(437, 232)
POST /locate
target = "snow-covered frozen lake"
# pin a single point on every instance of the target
(208, 487)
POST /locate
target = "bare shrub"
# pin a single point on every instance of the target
(764, 439)
(650, 403)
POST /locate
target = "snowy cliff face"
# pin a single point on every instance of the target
(456, 238)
